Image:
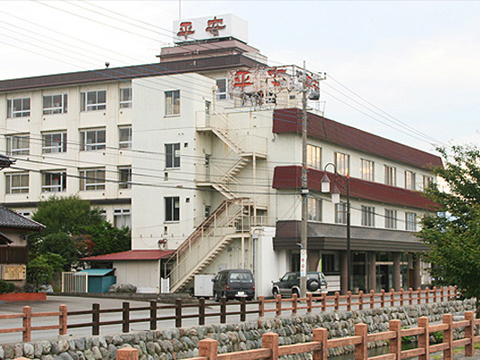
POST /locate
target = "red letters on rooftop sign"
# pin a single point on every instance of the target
(186, 28)
(242, 79)
(214, 25)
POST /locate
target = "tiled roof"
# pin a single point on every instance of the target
(290, 120)
(132, 255)
(12, 220)
(290, 177)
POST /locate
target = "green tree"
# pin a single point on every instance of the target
(40, 270)
(61, 244)
(453, 237)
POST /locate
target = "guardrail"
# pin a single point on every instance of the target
(232, 308)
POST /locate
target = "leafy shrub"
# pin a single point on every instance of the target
(6, 287)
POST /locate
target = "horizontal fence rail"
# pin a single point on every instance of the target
(208, 348)
(179, 311)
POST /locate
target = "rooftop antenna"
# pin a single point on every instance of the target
(107, 64)
(179, 9)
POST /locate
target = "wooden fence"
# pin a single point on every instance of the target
(262, 307)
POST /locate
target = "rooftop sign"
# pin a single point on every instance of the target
(211, 27)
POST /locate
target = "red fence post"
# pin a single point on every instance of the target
(392, 297)
(309, 302)
(434, 294)
(448, 337)
(349, 300)
(208, 348)
(270, 341)
(261, 306)
(419, 295)
(320, 335)
(402, 296)
(424, 338)
(427, 294)
(127, 353)
(410, 300)
(442, 294)
(382, 298)
(361, 349)
(396, 343)
(95, 319)
(279, 305)
(360, 300)
(324, 302)
(294, 303)
(27, 323)
(337, 300)
(372, 299)
(62, 319)
(470, 333)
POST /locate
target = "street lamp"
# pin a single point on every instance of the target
(336, 200)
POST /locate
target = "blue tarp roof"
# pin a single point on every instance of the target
(97, 272)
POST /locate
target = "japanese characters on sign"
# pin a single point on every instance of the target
(210, 27)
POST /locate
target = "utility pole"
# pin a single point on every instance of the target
(304, 191)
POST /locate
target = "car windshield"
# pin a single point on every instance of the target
(241, 277)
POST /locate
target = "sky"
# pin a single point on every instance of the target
(405, 70)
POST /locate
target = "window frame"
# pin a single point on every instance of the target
(427, 180)
(61, 145)
(123, 214)
(172, 156)
(342, 163)
(122, 183)
(314, 206)
(410, 225)
(126, 103)
(172, 107)
(52, 110)
(368, 170)
(84, 136)
(16, 140)
(222, 95)
(314, 156)
(390, 175)
(409, 180)
(94, 106)
(173, 214)
(22, 189)
(368, 216)
(125, 144)
(61, 187)
(341, 210)
(85, 175)
(390, 219)
(23, 112)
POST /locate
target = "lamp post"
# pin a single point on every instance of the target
(336, 200)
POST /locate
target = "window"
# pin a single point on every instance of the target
(314, 209)
(368, 216)
(54, 143)
(92, 179)
(390, 219)
(427, 181)
(55, 181)
(17, 183)
(410, 221)
(55, 104)
(172, 102)
(18, 107)
(222, 93)
(342, 163)
(340, 213)
(94, 100)
(18, 145)
(390, 175)
(409, 180)
(314, 156)
(125, 177)
(172, 208)
(367, 170)
(121, 218)
(172, 155)
(92, 139)
(125, 98)
(125, 137)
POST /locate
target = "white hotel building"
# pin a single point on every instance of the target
(200, 155)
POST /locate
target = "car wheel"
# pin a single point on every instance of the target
(275, 292)
(313, 285)
(216, 295)
(295, 291)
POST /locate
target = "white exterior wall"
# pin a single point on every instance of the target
(143, 274)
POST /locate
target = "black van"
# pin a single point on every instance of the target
(234, 284)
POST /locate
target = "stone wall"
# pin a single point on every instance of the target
(167, 344)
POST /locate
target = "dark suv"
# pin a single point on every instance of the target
(234, 284)
(289, 284)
